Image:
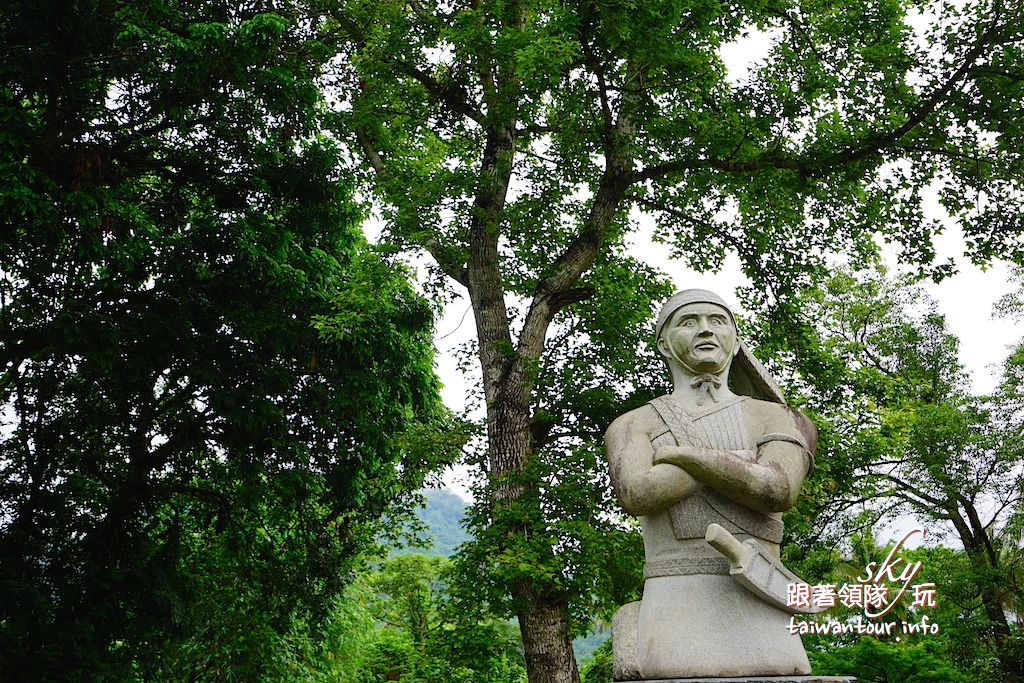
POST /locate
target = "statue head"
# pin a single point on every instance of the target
(696, 331)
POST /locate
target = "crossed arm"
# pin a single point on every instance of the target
(770, 483)
(646, 481)
(641, 485)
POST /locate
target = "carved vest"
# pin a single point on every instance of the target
(722, 427)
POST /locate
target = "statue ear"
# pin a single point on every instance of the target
(663, 346)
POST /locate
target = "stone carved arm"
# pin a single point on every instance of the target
(642, 486)
(768, 483)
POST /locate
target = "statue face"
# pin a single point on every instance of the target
(701, 337)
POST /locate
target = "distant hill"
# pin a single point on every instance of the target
(443, 513)
(584, 646)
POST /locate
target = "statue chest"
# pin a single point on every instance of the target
(722, 428)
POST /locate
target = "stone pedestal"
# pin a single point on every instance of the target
(757, 679)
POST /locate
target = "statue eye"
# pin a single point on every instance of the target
(689, 322)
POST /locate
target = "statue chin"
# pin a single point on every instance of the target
(707, 367)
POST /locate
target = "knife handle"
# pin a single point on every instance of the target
(725, 543)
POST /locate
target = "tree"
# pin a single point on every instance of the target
(510, 140)
(877, 661)
(210, 384)
(957, 651)
(420, 633)
(913, 439)
(599, 668)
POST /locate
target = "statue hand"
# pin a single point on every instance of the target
(673, 455)
(682, 456)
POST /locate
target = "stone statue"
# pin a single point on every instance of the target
(709, 469)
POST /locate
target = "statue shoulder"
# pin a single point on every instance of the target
(780, 418)
(643, 419)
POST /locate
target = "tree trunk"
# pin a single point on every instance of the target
(508, 385)
(545, 625)
(508, 368)
(542, 611)
(978, 547)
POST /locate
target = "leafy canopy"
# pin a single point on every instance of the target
(511, 140)
(210, 384)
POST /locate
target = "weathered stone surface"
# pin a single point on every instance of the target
(624, 664)
(758, 679)
(705, 458)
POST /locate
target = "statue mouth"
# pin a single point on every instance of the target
(706, 346)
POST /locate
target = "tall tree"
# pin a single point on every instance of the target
(209, 383)
(511, 139)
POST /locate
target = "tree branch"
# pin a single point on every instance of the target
(914, 491)
(679, 165)
(1012, 500)
(871, 146)
(452, 95)
(877, 142)
(370, 151)
(553, 291)
(449, 259)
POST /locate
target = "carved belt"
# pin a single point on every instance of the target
(684, 566)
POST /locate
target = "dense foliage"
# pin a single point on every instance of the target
(210, 384)
(422, 633)
(961, 649)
